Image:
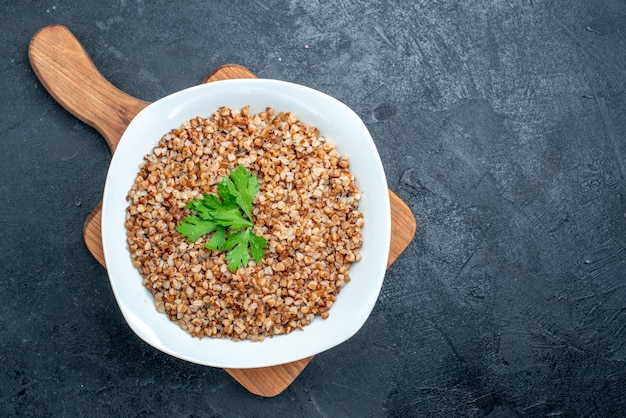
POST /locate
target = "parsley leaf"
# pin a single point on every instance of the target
(230, 218)
(227, 191)
(238, 243)
(228, 215)
(217, 240)
(246, 186)
(194, 227)
(257, 244)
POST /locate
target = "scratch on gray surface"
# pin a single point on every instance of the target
(600, 294)
(381, 346)
(602, 109)
(448, 341)
(592, 30)
(381, 32)
(614, 354)
(351, 388)
(313, 402)
(71, 157)
(608, 125)
(45, 112)
(606, 260)
(545, 330)
(464, 266)
(261, 5)
(535, 405)
(415, 46)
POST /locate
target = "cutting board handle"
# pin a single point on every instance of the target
(70, 76)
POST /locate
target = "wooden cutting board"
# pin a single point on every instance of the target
(67, 72)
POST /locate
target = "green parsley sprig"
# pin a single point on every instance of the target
(228, 216)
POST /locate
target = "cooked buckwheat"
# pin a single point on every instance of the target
(307, 210)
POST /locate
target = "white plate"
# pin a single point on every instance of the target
(340, 125)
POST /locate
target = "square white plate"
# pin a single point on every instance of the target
(338, 124)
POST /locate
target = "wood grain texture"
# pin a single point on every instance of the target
(403, 227)
(66, 71)
(92, 234)
(229, 72)
(269, 381)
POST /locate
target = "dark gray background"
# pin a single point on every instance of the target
(502, 124)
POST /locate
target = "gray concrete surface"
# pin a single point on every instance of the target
(501, 124)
